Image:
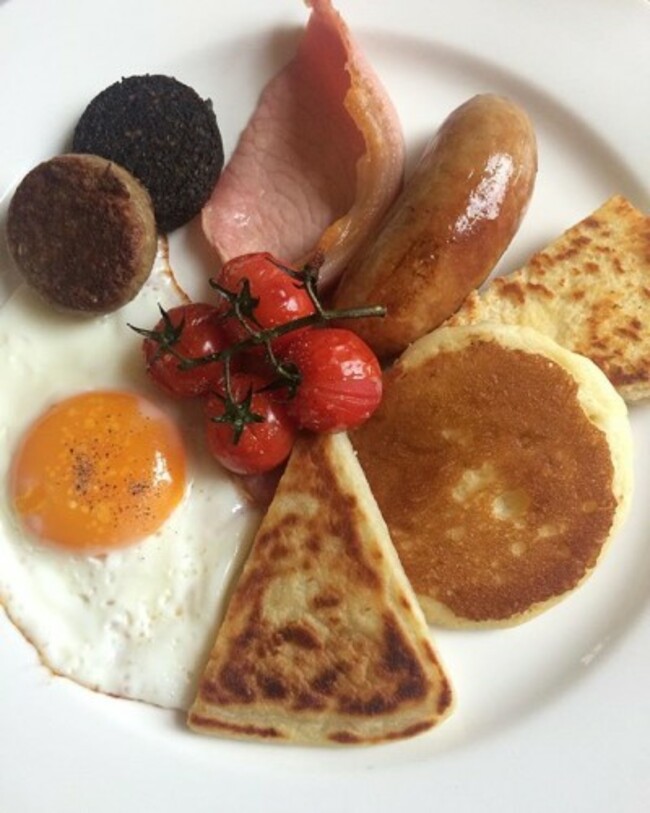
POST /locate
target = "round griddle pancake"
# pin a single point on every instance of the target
(502, 465)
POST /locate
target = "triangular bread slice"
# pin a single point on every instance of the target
(589, 290)
(323, 641)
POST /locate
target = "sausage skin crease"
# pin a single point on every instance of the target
(449, 227)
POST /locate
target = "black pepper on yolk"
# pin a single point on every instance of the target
(98, 471)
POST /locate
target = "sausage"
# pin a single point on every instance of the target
(449, 227)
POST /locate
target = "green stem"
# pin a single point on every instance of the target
(321, 317)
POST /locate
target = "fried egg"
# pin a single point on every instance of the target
(118, 531)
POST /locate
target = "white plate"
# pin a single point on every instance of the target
(552, 715)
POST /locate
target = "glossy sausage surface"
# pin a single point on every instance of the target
(449, 227)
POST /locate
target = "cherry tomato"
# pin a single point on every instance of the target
(193, 331)
(280, 297)
(341, 381)
(261, 434)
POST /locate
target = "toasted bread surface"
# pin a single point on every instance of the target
(323, 641)
(501, 463)
(589, 290)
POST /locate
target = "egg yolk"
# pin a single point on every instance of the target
(98, 471)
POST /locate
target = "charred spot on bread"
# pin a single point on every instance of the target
(81, 230)
(165, 134)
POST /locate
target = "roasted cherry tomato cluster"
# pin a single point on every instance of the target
(265, 362)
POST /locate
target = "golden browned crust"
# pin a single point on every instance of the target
(323, 641)
(449, 227)
(589, 290)
(82, 232)
(496, 484)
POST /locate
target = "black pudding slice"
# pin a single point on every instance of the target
(164, 134)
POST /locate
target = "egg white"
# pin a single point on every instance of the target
(139, 622)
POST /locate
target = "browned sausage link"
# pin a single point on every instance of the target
(449, 227)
